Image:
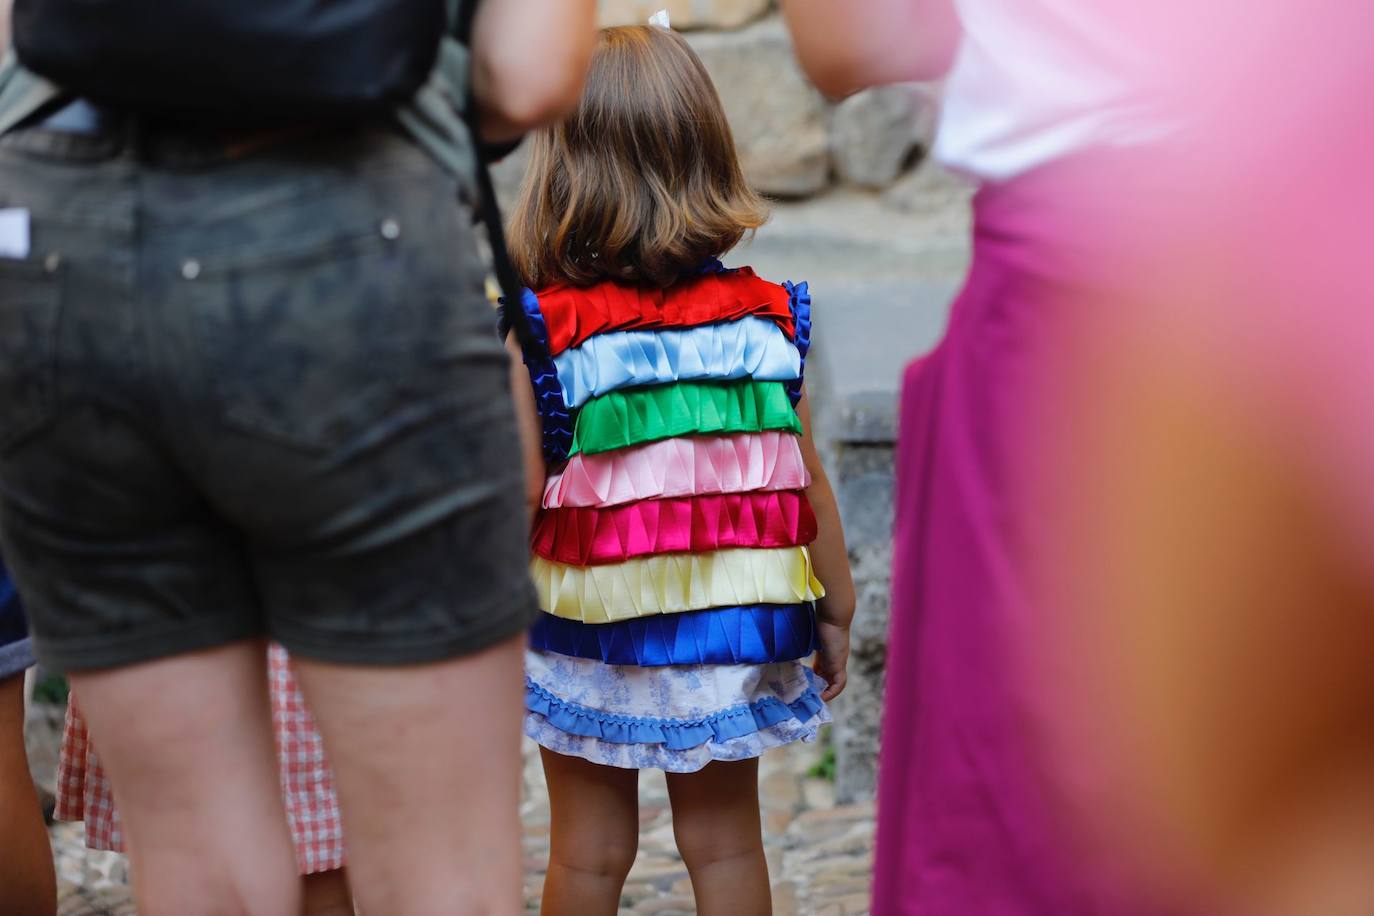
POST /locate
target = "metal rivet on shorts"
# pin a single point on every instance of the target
(52, 262)
(390, 229)
(190, 269)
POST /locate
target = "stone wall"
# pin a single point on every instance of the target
(792, 142)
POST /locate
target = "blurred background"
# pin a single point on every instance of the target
(881, 234)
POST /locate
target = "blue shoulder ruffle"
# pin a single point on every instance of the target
(800, 294)
(751, 635)
(556, 417)
(675, 734)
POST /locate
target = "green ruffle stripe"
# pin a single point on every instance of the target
(628, 417)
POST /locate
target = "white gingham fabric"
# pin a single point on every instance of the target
(84, 794)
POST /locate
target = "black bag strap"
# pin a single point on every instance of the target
(514, 316)
(489, 210)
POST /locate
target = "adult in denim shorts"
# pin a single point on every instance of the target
(27, 883)
(249, 389)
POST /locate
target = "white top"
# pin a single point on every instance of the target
(1035, 80)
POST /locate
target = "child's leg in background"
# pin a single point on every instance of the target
(593, 836)
(720, 836)
(325, 893)
(27, 883)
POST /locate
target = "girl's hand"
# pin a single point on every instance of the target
(832, 658)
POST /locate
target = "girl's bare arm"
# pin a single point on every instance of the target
(529, 62)
(848, 45)
(527, 419)
(830, 557)
(828, 553)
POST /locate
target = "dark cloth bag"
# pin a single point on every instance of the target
(258, 59)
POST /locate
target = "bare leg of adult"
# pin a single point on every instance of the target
(326, 893)
(187, 743)
(26, 870)
(719, 833)
(427, 765)
(593, 836)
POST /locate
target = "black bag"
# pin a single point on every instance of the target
(242, 59)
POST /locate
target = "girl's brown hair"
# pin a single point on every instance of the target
(641, 182)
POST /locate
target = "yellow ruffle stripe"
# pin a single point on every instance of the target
(672, 583)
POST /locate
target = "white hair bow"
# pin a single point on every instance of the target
(660, 19)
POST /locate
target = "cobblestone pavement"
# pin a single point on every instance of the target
(819, 854)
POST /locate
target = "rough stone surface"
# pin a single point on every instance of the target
(684, 14)
(778, 119)
(932, 193)
(873, 135)
(43, 740)
(863, 483)
(819, 855)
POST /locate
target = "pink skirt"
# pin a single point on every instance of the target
(975, 814)
(307, 784)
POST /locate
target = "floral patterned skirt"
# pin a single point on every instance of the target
(676, 718)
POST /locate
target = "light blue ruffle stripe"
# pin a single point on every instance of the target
(675, 734)
(752, 347)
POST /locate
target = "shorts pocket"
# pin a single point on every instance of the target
(29, 311)
(315, 345)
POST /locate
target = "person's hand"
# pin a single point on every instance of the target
(832, 658)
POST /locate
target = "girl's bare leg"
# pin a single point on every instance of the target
(593, 837)
(326, 893)
(720, 835)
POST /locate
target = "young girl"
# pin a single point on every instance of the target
(686, 524)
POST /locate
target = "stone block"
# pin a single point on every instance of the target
(875, 133)
(779, 120)
(684, 14)
(933, 193)
(863, 478)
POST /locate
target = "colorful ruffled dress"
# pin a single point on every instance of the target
(670, 554)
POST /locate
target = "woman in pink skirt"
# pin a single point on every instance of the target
(312, 809)
(1061, 110)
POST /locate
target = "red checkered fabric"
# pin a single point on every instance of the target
(84, 794)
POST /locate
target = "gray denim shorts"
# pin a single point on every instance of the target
(254, 397)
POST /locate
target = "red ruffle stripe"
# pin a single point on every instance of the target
(589, 536)
(575, 313)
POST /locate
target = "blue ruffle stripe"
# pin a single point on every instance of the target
(750, 635)
(800, 295)
(675, 734)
